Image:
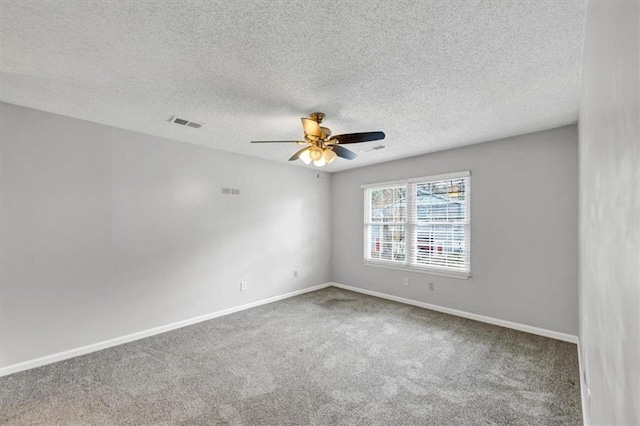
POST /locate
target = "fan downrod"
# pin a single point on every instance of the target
(318, 117)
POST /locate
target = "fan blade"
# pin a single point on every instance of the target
(297, 154)
(357, 137)
(311, 128)
(326, 132)
(278, 142)
(344, 152)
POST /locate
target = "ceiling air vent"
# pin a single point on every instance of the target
(375, 148)
(184, 122)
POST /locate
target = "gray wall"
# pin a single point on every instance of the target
(107, 232)
(610, 213)
(524, 231)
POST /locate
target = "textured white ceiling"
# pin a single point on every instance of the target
(432, 75)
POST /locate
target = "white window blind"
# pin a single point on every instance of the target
(386, 223)
(420, 224)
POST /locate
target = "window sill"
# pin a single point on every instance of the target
(430, 271)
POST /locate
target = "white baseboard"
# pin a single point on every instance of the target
(489, 320)
(60, 356)
(583, 389)
(49, 359)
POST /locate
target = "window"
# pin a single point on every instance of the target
(420, 224)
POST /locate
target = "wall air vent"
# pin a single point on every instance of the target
(184, 122)
(375, 148)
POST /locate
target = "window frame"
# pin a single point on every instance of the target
(410, 227)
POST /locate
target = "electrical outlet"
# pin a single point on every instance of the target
(243, 286)
(432, 286)
(295, 274)
(226, 190)
(235, 191)
(405, 281)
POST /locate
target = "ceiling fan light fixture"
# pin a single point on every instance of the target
(329, 155)
(315, 153)
(319, 163)
(306, 157)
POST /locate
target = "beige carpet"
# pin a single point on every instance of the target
(330, 357)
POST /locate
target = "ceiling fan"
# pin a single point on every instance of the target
(322, 147)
